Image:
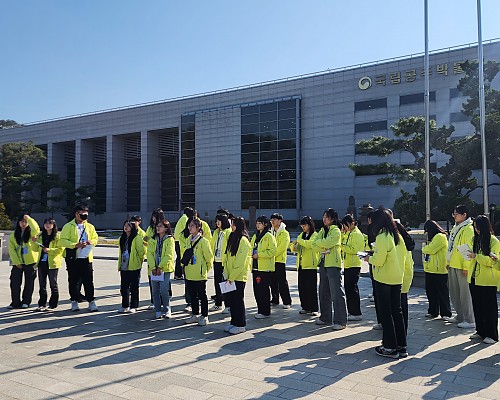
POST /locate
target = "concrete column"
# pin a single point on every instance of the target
(84, 163)
(150, 173)
(55, 165)
(116, 175)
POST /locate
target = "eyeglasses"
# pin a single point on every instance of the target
(454, 214)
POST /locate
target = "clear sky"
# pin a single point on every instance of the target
(64, 57)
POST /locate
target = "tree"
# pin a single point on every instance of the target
(5, 222)
(8, 123)
(18, 172)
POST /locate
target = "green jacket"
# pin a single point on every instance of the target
(32, 249)
(307, 258)
(237, 267)
(387, 266)
(136, 256)
(266, 250)
(207, 233)
(55, 253)
(204, 261)
(352, 242)
(435, 262)
(180, 226)
(167, 259)
(282, 242)
(408, 273)
(486, 271)
(226, 232)
(330, 244)
(465, 236)
(69, 236)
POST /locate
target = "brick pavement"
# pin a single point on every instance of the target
(106, 355)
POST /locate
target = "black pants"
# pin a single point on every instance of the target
(261, 291)
(308, 289)
(43, 273)
(374, 291)
(391, 317)
(436, 288)
(129, 288)
(484, 303)
(178, 266)
(16, 279)
(351, 278)
(404, 310)
(82, 269)
(279, 285)
(218, 278)
(236, 299)
(198, 293)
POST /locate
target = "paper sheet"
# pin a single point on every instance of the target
(226, 287)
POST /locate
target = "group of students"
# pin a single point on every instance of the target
(191, 250)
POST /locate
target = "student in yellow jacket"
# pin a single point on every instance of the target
(161, 265)
(180, 226)
(388, 274)
(263, 253)
(237, 266)
(279, 284)
(484, 274)
(328, 244)
(196, 271)
(49, 263)
(436, 274)
(23, 253)
(156, 216)
(131, 252)
(219, 243)
(307, 267)
(353, 241)
(461, 234)
(78, 237)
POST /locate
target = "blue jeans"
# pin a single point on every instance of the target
(331, 291)
(160, 293)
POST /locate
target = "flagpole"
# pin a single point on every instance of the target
(482, 110)
(426, 105)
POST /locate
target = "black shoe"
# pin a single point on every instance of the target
(428, 315)
(213, 297)
(403, 353)
(390, 353)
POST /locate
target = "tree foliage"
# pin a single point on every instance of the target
(5, 222)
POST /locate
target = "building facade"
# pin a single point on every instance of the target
(283, 145)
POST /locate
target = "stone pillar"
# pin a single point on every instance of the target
(116, 175)
(84, 163)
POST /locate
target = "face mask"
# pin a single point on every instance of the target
(83, 216)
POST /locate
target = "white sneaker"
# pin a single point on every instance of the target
(75, 306)
(226, 310)
(228, 328)
(355, 318)
(158, 315)
(93, 306)
(124, 310)
(451, 320)
(466, 325)
(320, 322)
(25, 306)
(215, 308)
(338, 327)
(193, 319)
(488, 340)
(236, 329)
(287, 306)
(132, 310)
(151, 307)
(261, 316)
(41, 308)
(377, 327)
(188, 308)
(167, 314)
(203, 321)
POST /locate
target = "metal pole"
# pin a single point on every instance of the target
(482, 110)
(426, 105)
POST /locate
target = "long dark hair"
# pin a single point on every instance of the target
(45, 236)
(409, 242)
(20, 235)
(168, 228)
(224, 221)
(382, 220)
(185, 231)
(265, 221)
(233, 242)
(432, 228)
(123, 237)
(482, 240)
(348, 220)
(332, 214)
(306, 220)
(197, 222)
(158, 215)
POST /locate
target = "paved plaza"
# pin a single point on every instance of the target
(106, 355)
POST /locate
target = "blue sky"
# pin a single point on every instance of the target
(65, 57)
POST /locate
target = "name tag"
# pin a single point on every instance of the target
(24, 250)
(44, 257)
(194, 259)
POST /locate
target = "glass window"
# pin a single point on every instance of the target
(286, 114)
(249, 110)
(188, 135)
(290, 174)
(268, 155)
(250, 138)
(268, 185)
(287, 123)
(287, 164)
(287, 154)
(268, 126)
(187, 145)
(268, 166)
(283, 105)
(286, 144)
(284, 204)
(286, 134)
(271, 205)
(415, 98)
(370, 126)
(250, 148)
(250, 176)
(250, 196)
(263, 108)
(454, 93)
(268, 116)
(249, 157)
(250, 186)
(370, 104)
(250, 119)
(459, 117)
(268, 136)
(251, 128)
(269, 195)
(249, 167)
(287, 185)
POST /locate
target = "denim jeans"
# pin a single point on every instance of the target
(160, 293)
(331, 291)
